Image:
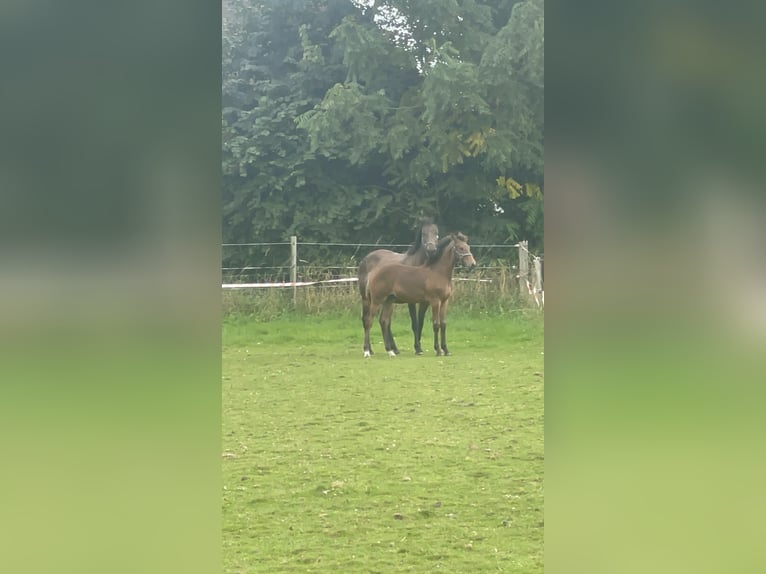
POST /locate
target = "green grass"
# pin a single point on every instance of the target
(336, 463)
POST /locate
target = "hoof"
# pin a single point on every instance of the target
(418, 352)
(392, 353)
(367, 354)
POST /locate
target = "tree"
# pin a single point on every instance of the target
(344, 122)
(458, 120)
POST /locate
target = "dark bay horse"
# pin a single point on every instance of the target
(420, 252)
(429, 283)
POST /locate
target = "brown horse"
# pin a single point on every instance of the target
(430, 283)
(420, 252)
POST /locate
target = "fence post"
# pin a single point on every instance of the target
(294, 266)
(523, 267)
(538, 284)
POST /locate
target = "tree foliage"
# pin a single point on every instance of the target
(345, 121)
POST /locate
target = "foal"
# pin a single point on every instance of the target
(429, 283)
(422, 251)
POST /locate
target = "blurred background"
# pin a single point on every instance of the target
(110, 287)
(110, 234)
(657, 286)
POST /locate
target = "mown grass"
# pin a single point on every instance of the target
(335, 463)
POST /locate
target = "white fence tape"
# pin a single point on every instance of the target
(285, 284)
(308, 283)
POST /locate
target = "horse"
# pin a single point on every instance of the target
(429, 283)
(421, 251)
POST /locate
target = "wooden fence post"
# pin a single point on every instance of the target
(294, 266)
(523, 268)
(538, 282)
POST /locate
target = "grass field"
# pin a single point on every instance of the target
(335, 463)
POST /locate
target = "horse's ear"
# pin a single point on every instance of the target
(460, 236)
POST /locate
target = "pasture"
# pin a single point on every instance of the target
(336, 463)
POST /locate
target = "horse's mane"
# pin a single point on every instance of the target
(442, 245)
(419, 234)
(446, 240)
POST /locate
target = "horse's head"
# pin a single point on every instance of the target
(429, 237)
(463, 250)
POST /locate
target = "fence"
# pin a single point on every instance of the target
(284, 265)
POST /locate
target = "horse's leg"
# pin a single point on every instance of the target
(384, 321)
(365, 313)
(443, 326)
(421, 319)
(415, 326)
(385, 327)
(388, 310)
(391, 340)
(368, 318)
(435, 319)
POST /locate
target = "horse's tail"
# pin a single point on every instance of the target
(366, 302)
(366, 291)
(365, 267)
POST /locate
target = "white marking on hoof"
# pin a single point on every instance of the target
(366, 354)
(391, 354)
